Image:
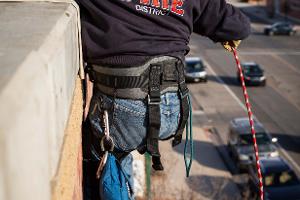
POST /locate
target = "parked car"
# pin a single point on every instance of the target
(253, 74)
(279, 180)
(280, 28)
(240, 143)
(195, 69)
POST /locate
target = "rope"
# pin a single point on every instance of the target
(188, 157)
(250, 115)
(148, 176)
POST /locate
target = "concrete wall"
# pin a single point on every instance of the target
(39, 62)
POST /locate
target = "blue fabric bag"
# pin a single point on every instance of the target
(114, 184)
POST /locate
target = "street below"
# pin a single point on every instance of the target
(276, 106)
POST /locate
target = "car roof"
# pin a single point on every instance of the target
(273, 165)
(242, 125)
(248, 63)
(280, 23)
(192, 59)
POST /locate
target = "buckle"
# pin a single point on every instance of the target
(153, 100)
(184, 91)
(177, 140)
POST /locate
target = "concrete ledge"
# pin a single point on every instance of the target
(39, 61)
(67, 184)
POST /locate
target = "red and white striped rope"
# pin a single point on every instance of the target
(250, 115)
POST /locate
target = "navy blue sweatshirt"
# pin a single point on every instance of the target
(128, 32)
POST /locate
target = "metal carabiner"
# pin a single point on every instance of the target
(109, 146)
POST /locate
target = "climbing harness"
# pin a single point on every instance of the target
(250, 115)
(149, 82)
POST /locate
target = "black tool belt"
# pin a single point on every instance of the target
(159, 75)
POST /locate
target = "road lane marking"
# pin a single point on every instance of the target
(244, 108)
(226, 87)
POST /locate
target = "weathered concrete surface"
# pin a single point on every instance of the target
(67, 183)
(139, 178)
(39, 61)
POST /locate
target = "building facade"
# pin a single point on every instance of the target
(289, 8)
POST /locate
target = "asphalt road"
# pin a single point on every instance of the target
(277, 105)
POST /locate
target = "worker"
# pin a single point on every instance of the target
(134, 52)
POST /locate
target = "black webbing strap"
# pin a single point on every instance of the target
(154, 115)
(184, 104)
(120, 82)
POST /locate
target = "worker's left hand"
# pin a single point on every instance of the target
(231, 44)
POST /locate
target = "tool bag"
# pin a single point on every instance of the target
(114, 183)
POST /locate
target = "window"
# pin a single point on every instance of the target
(261, 139)
(194, 66)
(250, 69)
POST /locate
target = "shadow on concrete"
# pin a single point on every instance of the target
(228, 80)
(213, 187)
(205, 154)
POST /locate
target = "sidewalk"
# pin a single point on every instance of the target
(209, 178)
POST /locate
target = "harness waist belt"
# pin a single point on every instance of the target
(132, 83)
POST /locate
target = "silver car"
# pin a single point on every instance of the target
(195, 70)
(240, 142)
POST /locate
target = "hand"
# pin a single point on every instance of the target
(231, 44)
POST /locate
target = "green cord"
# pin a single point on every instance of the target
(188, 158)
(148, 175)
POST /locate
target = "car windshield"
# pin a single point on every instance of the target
(261, 139)
(195, 66)
(278, 179)
(252, 69)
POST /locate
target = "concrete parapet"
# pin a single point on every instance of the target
(67, 183)
(39, 60)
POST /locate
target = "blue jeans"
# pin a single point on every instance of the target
(128, 119)
(128, 122)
